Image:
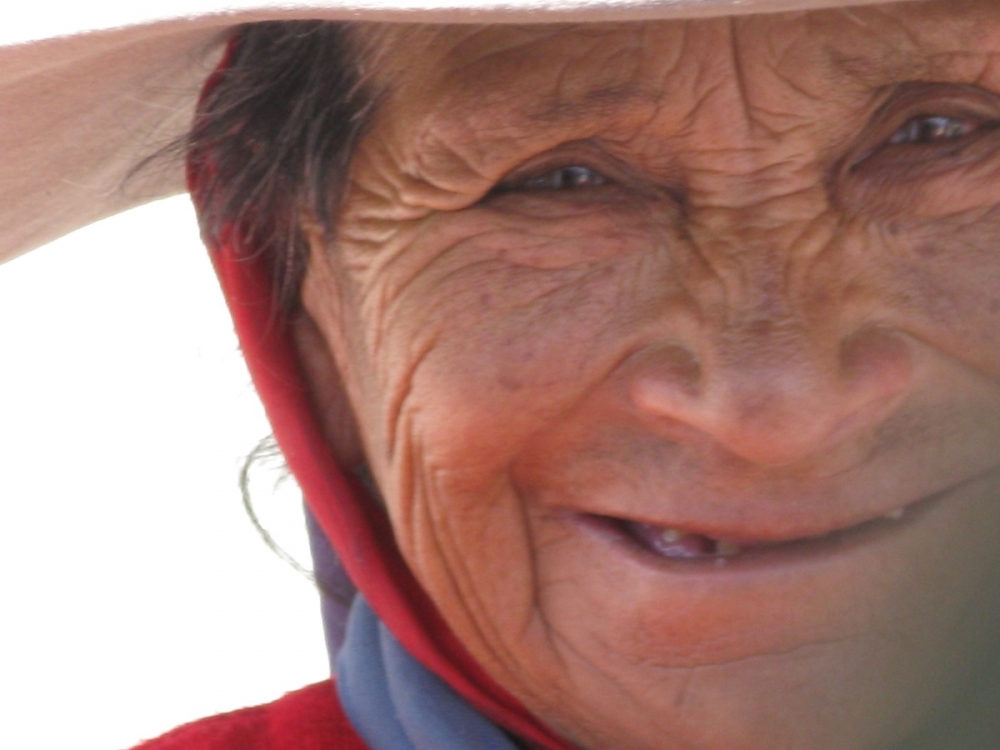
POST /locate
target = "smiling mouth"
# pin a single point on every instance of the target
(678, 544)
(684, 546)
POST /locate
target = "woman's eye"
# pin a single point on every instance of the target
(564, 178)
(930, 129)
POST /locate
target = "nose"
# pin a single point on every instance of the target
(777, 397)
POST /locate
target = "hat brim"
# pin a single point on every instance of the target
(83, 110)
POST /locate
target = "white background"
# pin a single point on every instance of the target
(134, 593)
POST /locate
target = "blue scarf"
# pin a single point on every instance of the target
(393, 701)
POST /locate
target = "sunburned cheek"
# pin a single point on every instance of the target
(546, 233)
(489, 370)
(485, 345)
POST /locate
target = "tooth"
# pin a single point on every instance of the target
(895, 515)
(724, 548)
(671, 536)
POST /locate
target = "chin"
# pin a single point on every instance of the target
(861, 639)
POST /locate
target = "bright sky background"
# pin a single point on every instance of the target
(135, 593)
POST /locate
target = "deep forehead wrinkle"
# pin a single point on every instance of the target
(888, 65)
(925, 51)
(462, 102)
(599, 103)
(881, 68)
(477, 116)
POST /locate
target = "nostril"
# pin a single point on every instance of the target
(776, 404)
(666, 379)
(876, 367)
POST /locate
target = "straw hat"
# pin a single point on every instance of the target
(86, 96)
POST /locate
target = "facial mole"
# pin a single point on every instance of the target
(994, 306)
(927, 250)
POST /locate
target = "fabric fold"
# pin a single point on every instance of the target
(396, 703)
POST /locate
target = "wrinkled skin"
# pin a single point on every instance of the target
(765, 307)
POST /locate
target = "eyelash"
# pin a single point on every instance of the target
(931, 129)
(922, 130)
(570, 177)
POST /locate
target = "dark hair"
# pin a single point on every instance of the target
(272, 141)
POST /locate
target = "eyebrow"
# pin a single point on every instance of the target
(892, 65)
(877, 70)
(598, 103)
(863, 71)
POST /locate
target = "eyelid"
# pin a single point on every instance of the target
(916, 99)
(576, 154)
(951, 100)
(937, 100)
(910, 131)
(531, 182)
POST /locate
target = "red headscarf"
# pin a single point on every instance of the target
(357, 528)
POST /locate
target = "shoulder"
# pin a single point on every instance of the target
(307, 719)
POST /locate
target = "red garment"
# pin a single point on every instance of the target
(308, 719)
(357, 529)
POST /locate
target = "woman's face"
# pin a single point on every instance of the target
(675, 350)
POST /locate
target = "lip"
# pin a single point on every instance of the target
(759, 551)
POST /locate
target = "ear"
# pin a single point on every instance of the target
(329, 397)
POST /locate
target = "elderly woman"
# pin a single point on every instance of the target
(644, 375)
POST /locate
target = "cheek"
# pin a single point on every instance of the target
(484, 328)
(943, 280)
(480, 339)
(929, 259)
(485, 334)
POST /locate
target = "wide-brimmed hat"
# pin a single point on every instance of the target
(85, 96)
(86, 101)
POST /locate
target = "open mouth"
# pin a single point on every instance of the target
(685, 546)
